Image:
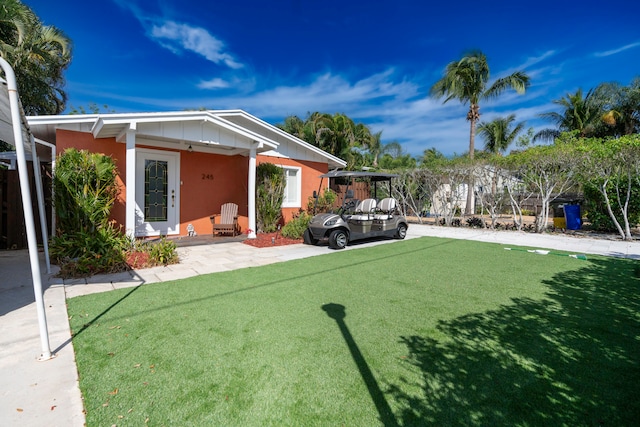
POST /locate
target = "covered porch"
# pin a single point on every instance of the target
(175, 169)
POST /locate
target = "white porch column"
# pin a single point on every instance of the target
(130, 205)
(251, 193)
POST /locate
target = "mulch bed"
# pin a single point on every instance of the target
(264, 240)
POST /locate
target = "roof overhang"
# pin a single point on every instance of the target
(203, 131)
(248, 121)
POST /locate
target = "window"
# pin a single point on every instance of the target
(292, 187)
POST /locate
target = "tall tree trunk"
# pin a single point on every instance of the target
(472, 116)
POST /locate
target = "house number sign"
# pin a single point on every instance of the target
(207, 176)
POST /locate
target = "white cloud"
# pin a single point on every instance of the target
(533, 60)
(331, 93)
(176, 36)
(215, 83)
(617, 50)
(401, 109)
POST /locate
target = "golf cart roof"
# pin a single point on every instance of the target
(374, 176)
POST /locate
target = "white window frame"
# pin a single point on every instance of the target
(296, 203)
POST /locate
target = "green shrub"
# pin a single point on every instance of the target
(324, 202)
(270, 184)
(596, 210)
(475, 222)
(455, 222)
(85, 190)
(145, 253)
(294, 229)
(163, 252)
(83, 253)
(86, 243)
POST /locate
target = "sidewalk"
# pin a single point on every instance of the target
(36, 393)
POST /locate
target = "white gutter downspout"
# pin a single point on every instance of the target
(29, 222)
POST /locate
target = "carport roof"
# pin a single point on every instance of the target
(6, 126)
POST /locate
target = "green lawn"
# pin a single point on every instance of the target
(420, 332)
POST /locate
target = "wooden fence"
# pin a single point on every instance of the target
(13, 233)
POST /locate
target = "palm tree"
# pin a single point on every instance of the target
(431, 156)
(336, 134)
(579, 112)
(467, 81)
(39, 55)
(498, 134)
(621, 108)
(374, 147)
(293, 125)
(333, 134)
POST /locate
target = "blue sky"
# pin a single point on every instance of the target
(372, 60)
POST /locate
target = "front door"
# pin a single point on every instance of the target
(157, 192)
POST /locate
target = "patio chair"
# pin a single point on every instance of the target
(226, 222)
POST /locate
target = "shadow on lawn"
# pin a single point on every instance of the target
(337, 313)
(570, 359)
(291, 275)
(96, 318)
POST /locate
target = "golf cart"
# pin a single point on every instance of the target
(358, 219)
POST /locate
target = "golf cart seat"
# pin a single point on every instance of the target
(365, 210)
(386, 208)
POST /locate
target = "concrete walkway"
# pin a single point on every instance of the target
(36, 393)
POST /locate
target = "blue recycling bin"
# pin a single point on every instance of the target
(572, 217)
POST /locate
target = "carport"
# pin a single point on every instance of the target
(14, 130)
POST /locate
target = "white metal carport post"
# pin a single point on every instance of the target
(29, 221)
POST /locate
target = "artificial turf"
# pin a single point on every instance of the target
(420, 332)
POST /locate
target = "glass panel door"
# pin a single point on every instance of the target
(155, 190)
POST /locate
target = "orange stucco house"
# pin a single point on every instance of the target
(205, 159)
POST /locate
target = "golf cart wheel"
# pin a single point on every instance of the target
(338, 239)
(401, 232)
(308, 239)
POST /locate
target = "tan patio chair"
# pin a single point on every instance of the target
(226, 222)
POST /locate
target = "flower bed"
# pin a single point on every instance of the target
(264, 240)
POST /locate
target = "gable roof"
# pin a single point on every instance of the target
(290, 146)
(228, 132)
